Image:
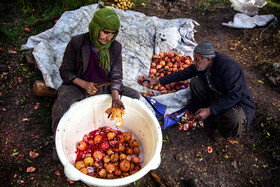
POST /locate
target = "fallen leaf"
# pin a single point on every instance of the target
(230, 141)
(30, 169)
(16, 153)
(25, 119)
(209, 149)
(13, 52)
(27, 30)
(28, 160)
(36, 106)
(20, 79)
(259, 81)
(33, 154)
(70, 181)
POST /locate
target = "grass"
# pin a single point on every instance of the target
(211, 5)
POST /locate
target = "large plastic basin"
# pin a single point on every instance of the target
(88, 115)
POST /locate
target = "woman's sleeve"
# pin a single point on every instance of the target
(67, 68)
(116, 72)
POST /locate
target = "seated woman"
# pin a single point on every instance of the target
(92, 58)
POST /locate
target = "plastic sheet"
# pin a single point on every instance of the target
(248, 7)
(141, 37)
(244, 21)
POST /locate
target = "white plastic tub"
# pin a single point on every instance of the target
(88, 115)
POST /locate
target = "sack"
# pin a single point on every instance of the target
(158, 107)
(174, 118)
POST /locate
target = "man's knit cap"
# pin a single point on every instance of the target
(205, 48)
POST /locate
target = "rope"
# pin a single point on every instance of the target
(272, 23)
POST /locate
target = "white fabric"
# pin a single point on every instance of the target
(248, 7)
(245, 21)
(141, 37)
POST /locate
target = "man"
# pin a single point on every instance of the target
(219, 91)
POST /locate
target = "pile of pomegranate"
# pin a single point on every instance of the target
(188, 120)
(108, 154)
(164, 64)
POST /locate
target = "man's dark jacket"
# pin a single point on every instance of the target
(76, 60)
(227, 77)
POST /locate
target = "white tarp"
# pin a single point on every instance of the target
(248, 18)
(141, 37)
(248, 7)
(243, 21)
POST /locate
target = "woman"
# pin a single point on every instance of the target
(92, 58)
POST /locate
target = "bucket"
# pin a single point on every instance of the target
(88, 115)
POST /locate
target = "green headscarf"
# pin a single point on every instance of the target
(104, 18)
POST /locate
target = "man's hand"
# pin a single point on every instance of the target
(153, 81)
(202, 113)
(116, 103)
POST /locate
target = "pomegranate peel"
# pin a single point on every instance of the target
(116, 112)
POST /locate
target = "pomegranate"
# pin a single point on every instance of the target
(125, 165)
(97, 155)
(88, 161)
(110, 168)
(82, 145)
(127, 136)
(136, 160)
(84, 170)
(136, 150)
(153, 71)
(133, 143)
(80, 164)
(97, 139)
(170, 54)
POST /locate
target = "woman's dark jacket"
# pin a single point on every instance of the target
(76, 60)
(227, 77)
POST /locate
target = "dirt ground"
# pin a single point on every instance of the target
(254, 160)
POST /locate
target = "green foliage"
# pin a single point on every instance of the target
(211, 5)
(139, 3)
(31, 5)
(271, 7)
(275, 1)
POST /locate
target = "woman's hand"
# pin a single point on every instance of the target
(90, 88)
(117, 103)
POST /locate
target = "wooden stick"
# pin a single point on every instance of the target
(158, 180)
(40, 89)
(43, 21)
